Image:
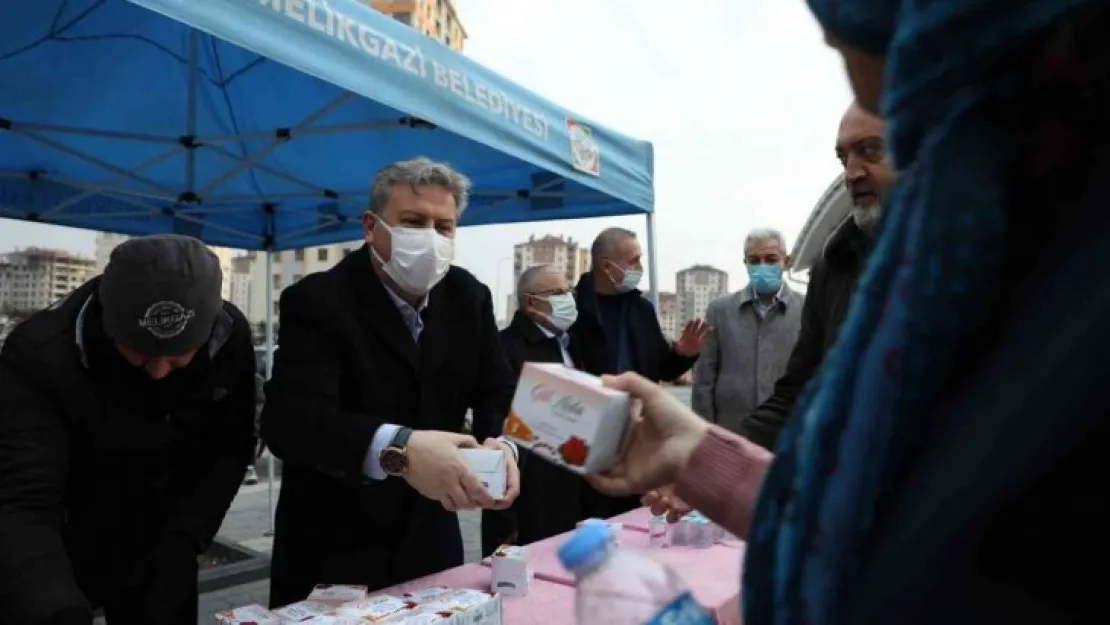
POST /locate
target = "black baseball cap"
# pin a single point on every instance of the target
(161, 294)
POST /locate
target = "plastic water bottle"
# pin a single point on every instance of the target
(618, 587)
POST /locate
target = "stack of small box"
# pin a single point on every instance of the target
(510, 571)
(349, 605)
(692, 530)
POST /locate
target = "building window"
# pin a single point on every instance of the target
(277, 310)
(298, 255)
(322, 254)
(297, 278)
(277, 282)
(404, 17)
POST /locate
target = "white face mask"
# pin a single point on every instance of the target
(630, 281)
(419, 257)
(564, 311)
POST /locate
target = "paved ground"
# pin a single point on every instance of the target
(247, 523)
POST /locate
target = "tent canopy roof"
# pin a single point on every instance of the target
(258, 124)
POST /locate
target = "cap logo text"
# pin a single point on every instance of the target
(166, 320)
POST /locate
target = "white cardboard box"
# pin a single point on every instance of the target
(303, 610)
(511, 571)
(373, 609)
(568, 418)
(414, 616)
(248, 614)
(489, 467)
(336, 594)
(331, 619)
(467, 607)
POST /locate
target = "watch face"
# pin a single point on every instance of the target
(393, 461)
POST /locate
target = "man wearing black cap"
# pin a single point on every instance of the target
(126, 421)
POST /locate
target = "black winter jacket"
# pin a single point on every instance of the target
(105, 474)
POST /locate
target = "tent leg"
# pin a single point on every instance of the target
(270, 472)
(653, 265)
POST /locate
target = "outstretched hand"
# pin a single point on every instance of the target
(663, 435)
(694, 335)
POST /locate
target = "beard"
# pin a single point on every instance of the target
(867, 217)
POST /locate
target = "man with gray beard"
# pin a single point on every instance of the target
(868, 175)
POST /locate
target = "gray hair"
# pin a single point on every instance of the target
(760, 235)
(528, 276)
(606, 243)
(418, 172)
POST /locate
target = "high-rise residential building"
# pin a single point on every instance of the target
(438, 19)
(35, 278)
(107, 241)
(289, 267)
(696, 287)
(240, 283)
(572, 259)
(668, 315)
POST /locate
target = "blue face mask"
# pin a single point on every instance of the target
(766, 279)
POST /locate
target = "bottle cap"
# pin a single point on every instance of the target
(585, 547)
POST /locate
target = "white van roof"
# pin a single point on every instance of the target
(832, 208)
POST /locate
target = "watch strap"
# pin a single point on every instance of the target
(400, 439)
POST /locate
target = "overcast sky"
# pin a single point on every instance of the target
(741, 100)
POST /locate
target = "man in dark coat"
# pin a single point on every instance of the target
(126, 420)
(618, 330)
(832, 279)
(380, 359)
(550, 497)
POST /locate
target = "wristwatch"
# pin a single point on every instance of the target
(394, 459)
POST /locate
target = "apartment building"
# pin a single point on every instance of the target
(696, 287)
(34, 278)
(288, 268)
(438, 19)
(240, 283)
(668, 315)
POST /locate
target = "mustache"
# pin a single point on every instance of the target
(863, 187)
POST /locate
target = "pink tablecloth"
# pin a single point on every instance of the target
(634, 520)
(713, 574)
(546, 603)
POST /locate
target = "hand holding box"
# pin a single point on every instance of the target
(568, 418)
(488, 465)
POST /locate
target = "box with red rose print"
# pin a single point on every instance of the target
(567, 417)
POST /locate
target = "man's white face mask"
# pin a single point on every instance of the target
(419, 258)
(564, 311)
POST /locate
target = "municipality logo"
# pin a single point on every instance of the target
(166, 320)
(584, 153)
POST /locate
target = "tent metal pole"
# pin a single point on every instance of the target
(191, 110)
(281, 137)
(270, 473)
(653, 265)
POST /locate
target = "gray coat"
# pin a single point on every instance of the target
(744, 356)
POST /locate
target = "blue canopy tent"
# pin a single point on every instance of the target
(256, 124)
